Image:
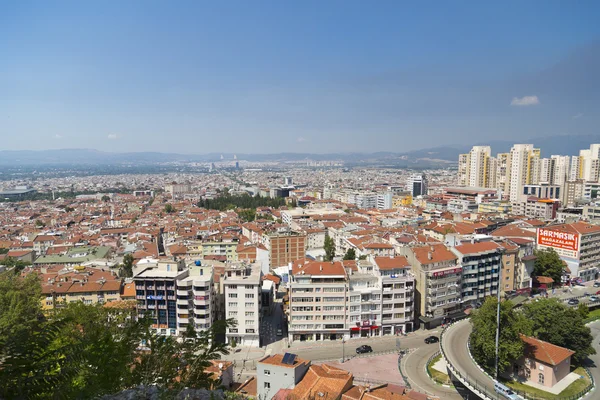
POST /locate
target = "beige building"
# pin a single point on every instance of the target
(437, 282)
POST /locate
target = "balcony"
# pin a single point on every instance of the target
(183, 302)
(182, 292)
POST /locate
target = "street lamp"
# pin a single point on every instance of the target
(501, 251)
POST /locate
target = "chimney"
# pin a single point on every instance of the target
(321, 268)
(429, 255)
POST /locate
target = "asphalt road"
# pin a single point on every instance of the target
(454, 342)
(319, 351)
(414, 367)
(594, 360)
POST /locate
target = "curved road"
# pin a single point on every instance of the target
(414, 367)
(454, 342)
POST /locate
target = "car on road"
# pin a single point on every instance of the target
(432, 339)
(364, 349)
(596, 283)
(594, 298)
(573, 302)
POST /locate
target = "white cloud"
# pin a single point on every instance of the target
(112, 136)
(577, 116)
(525, 101)
(57, 136)
(301, 139)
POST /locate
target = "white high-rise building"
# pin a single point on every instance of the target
(590, 163)
(521, 163)
(561, 169)
(242, 290)
(478, 164)
(417, 185)
(575, 169)
(475, 169)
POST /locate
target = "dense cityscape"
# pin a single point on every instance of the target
(322, 268)
(315, 200)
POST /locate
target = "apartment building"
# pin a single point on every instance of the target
(517, 265)
(155, 291)
(542, 190)
(438, 280)
(242, 289)
(61, 289)
(521, 166)
(317, 296)
(534, 207)
(196, 299)
(221, 245)
(285, 247)
(577, 244)
(330, 302)
(481, 263)
(398, 294)
(573, 191)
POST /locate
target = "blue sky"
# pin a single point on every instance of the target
(310, 76)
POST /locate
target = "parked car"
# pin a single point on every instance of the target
(596, 284)
(594, 298)
(573, 302)
(432, 339)
(586, 294)
(364, 349)
(598, 292)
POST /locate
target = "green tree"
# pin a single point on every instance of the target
(483, 337)
(247, 215)
(39, 223)
(350, 254)
(169, 209)
(11, 262)
(548, 263)
(329, 248)
(126, 270)
(363, 257)
(554, 322)
(105, 198)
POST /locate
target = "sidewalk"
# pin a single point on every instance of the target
(297, 345)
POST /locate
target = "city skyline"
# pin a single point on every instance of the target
(302, 78)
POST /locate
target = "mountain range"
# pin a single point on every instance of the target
(443, 155)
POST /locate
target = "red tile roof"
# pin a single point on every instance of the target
(545, 352)
(387, 263)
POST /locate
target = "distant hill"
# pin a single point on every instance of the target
(442, 155)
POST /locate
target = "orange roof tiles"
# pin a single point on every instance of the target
(277, 359)
(480, 247)
(387, 263)
(323, 382)
(545, 352)
(433, 254)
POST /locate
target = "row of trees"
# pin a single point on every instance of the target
(86, 351)
(229, 202)
(546, 319)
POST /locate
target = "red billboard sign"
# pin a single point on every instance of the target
(558, 239)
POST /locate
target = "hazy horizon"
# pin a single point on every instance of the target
(311, 77)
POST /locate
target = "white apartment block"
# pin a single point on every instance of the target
(196, 299)
(384, 200)
(242, 290)
(561, 169)
(331, 302)
(478, 164)
(521, 162)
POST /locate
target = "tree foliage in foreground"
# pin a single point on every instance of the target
(483, 337)
(86, 351)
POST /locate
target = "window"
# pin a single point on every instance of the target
(267, 372)
(232, 314)
(250, 314)
(231, 304)
(249, 295)
(267, 385)
(249, 305)
(541, 378)
(233, 295)
(250, 287)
